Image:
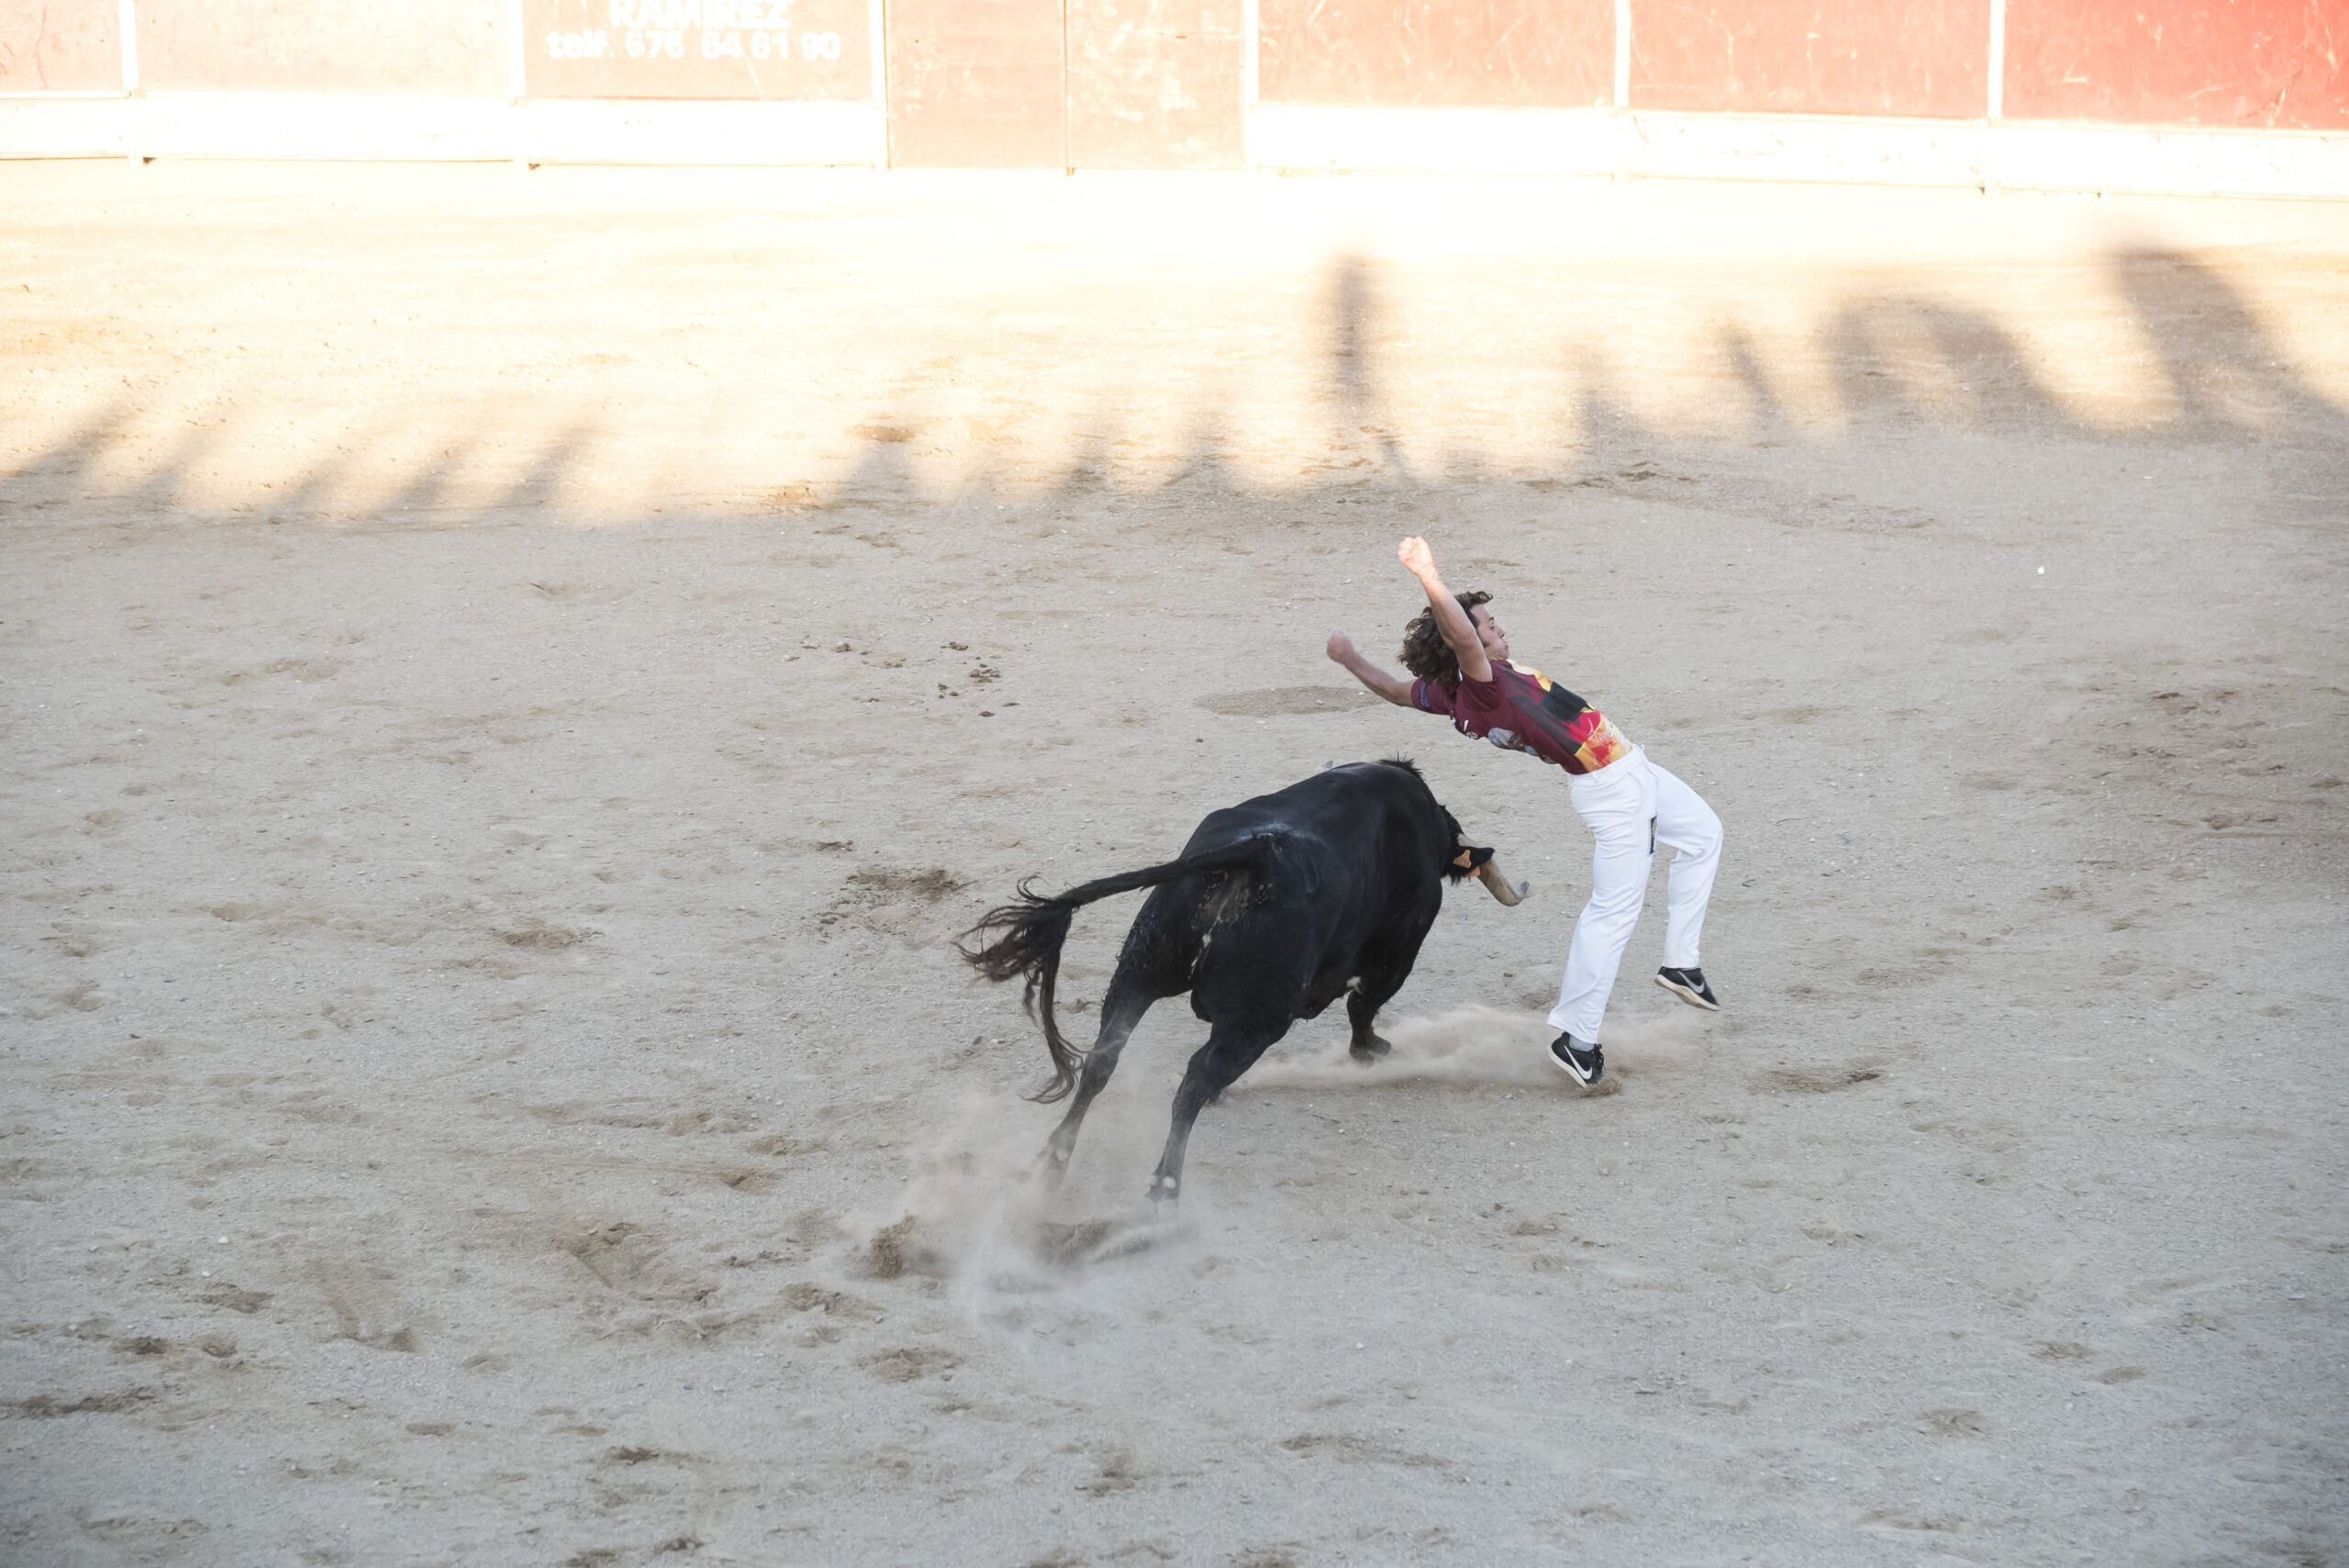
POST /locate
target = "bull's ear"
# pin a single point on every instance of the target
(1470, 859)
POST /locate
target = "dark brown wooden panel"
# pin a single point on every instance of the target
(699, 48)
(59, 46)
(1820, 57)
(1509, 53)
(456, 48)
(976, 84)
(2264, 64)
(1156, 84)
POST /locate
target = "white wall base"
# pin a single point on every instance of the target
(577, 131)
(2300, 164)
(1821, 147)
(241, 124)
(1436, 141)
(1828, 149)
(60, 127)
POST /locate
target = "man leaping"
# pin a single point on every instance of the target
(1460, 655)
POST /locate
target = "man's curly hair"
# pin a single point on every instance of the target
(1425, 652)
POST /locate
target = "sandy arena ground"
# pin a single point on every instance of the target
(515, 681)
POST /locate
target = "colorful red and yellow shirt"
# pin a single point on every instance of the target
(1523, 710)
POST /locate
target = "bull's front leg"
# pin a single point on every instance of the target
(1386, 961)
(1372, 990)
(1369, 1045)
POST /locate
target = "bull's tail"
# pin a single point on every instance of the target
(1032, 929)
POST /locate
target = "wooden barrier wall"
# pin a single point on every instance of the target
(1554, 54)
(1172, 84)
(2236, 64)
(423, 48)
(61, 45)
(1926, 58)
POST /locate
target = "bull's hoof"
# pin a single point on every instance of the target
(1369, 1050)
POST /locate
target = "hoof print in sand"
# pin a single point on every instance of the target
(43, 1407)
(2061, 1351)
(143, 1539)
(224, 1295)
(893, 901)
(535, 938)
(808, 1297)
(893, 1250)
(1353, 1449)
(634, 1454)
(623, 1258)
(908, 1363)
(776, 1145)
(1817, 1080)
(1952, 1423)
(1099, 1241)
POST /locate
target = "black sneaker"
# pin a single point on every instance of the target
(1688, 984)
(1583, 1064)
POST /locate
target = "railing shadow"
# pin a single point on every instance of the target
(1902, 367)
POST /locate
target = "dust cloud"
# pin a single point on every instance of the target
(978, 1215)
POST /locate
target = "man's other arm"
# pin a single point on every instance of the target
(1342, 650)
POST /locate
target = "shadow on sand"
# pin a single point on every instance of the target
(1905, 370)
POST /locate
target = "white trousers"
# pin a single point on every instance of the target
(1631, 805)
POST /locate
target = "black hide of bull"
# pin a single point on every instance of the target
(1278, 905)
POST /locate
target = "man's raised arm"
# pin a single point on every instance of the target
(1342, 650)
(1459, 632)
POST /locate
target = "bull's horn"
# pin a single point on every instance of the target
(1489, 873)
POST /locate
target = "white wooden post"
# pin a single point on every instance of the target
(133, 119)
(1998, 96)
(1623, 55)
(517, 82)
(879, 27)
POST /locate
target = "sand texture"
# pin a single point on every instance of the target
(515, 682)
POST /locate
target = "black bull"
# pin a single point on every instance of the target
(1277, 907)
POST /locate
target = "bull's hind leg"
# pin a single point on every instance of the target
(1121, 1009)
(1230, 1049)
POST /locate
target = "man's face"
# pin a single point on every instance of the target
(1489, 633)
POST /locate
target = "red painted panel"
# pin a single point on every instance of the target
(59, 46)
(436, 47)
(1156, 84)
(1817, 57)
(2281, 64)
(699, 48)
(1508, 53)
(976, 84)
